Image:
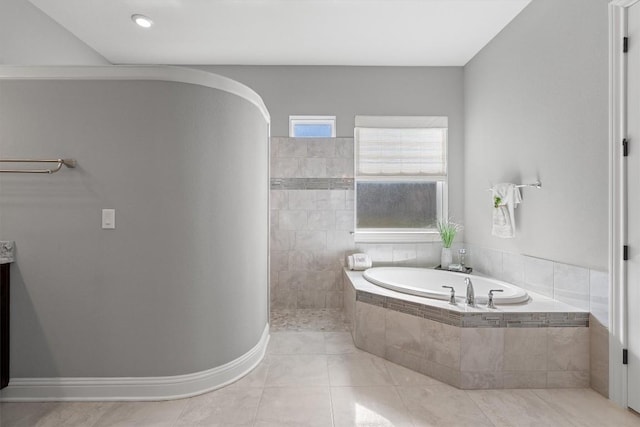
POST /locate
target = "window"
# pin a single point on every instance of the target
(312, 126)
(400, 178)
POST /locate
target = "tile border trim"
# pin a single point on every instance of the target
(312, 183)
(476, 320)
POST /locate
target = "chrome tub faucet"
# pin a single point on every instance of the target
(471, 297)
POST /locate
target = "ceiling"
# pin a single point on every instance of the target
(287, 32)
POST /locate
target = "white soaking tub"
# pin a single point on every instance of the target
(426, 282)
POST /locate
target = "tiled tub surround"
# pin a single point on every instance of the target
(543, 344)
(585, 288)
(580, 287)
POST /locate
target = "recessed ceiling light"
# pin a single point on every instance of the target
(142, 21)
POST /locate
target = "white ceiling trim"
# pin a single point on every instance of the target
(125, 72)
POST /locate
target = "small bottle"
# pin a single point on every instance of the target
(461, 253)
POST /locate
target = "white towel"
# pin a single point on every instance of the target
(504, 222)
(359, 262)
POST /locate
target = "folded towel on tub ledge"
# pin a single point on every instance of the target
(359, 262)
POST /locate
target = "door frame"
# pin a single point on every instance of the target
(617, 202)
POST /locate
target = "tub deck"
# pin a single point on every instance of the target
(539, 311)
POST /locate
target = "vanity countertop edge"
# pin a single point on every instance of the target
(7, 251)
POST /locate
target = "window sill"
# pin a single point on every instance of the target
(396, 236)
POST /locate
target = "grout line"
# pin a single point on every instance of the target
(264, 385)
(333, 421)
(186, 404)
(472, 400)
(547, 405)
(553, 279)
(546, 357)
(254, 421)
(108, 405)
(393, 380)
(324, 342)
(405, 404)
(537, 392)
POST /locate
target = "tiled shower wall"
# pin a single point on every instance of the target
(312, 220)
(311, 216)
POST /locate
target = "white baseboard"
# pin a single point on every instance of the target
(136, 388)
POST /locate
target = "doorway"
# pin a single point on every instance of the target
(633, 206)
(624, 253)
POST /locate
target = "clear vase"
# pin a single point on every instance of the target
(446, 258)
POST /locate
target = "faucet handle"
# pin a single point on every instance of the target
(490, 303)
(452, 297)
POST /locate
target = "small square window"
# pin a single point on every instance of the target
(312, 126)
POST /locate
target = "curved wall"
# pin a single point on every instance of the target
(180, 286)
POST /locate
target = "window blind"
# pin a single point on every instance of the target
(401, 146)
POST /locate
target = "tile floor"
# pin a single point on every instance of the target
(314, 376)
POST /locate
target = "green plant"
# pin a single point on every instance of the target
(497, 201)
(448, 230)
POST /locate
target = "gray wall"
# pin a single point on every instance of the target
(181, 284)
(348, 91)
(30, 37)
(536, 107)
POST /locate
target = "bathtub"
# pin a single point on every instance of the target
(428, 283)
(460, 345)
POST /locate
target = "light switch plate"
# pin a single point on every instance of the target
(108, 219)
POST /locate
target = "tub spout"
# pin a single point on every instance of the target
(471, 297)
